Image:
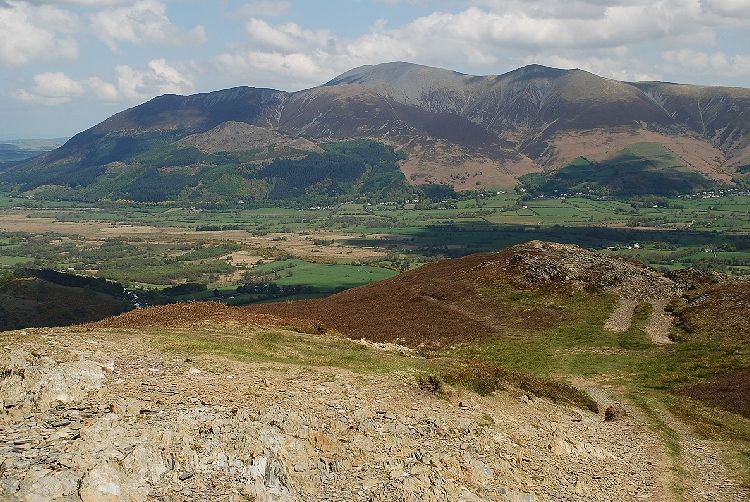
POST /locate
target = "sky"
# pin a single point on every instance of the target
(66, 65)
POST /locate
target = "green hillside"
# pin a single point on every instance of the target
(640, 169)
(155, 172)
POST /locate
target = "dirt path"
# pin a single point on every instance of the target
(605, 396)
(705, 476)
(699, 473)
(659, 322)
(88, 412)
(620, 320)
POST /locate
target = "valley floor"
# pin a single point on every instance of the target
(114, 414)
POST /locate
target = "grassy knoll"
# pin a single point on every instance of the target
(276, 345)
(333, 350)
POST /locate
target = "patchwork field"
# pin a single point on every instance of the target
(321, 250)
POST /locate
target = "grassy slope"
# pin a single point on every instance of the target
(334, 350)
(640, 169)
(155, 170)
(652, 377)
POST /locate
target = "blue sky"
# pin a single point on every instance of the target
(68, 64)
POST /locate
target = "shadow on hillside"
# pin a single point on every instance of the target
(461, 239)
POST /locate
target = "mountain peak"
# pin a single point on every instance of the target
(395, 71)
(539, 71)
(466, 131)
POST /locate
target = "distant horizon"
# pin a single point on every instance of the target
(20, 140)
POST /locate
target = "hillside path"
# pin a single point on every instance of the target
(659, 322)
(621, 318)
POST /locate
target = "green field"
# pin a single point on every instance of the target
(639, 169)
(12, 261)
(324, 276)
(665, 232)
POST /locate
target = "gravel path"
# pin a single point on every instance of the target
(621, 318)
(706, 478)
(659, 323)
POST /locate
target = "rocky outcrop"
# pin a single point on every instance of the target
(101, 415)
(538, 264)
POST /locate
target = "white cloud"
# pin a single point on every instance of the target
(132, 84)
(102, 89)
(591, 9)
(82, 3)
(35, 33)
(52, 88)
(729, 8)
(157, 78)
(265, 8)
(715, 63)
(301, 57)
(602, 36)
(145, 21)
(615, 26)
(288, 36)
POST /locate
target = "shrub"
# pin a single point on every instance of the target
(484, 378)
(430, 383)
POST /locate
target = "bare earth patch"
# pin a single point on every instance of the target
(451, 165)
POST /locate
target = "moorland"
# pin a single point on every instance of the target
(405, 283)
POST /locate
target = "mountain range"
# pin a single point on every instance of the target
(545, 127)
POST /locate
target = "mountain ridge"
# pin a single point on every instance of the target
(463, 130)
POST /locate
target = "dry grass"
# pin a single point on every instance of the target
(183, 315)
(484, 378)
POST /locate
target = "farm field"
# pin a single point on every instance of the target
(328, 249)
(326, 276)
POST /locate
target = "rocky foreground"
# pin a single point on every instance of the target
(101, 414)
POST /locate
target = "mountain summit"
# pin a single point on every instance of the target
(462, 130)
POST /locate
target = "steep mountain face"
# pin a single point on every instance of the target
(544, 113)
(458, 129)
(532, 97)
